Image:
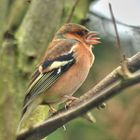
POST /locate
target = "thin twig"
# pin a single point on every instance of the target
(117, 34)
(72, 11)
(124, 71)
(89, 100)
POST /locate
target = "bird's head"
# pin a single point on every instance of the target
(78, 32)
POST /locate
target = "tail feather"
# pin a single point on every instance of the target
(24, 116)
(27, 112)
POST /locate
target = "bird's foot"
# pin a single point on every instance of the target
(52, 110)
(70, 99)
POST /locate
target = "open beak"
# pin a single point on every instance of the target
(92, 39)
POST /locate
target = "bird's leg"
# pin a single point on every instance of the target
(52, 109)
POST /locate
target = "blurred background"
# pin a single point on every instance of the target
(26, 27)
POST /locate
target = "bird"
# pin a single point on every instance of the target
(63, 69)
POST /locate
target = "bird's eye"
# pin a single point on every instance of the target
(80, 33)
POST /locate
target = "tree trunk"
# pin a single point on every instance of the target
(19, 53)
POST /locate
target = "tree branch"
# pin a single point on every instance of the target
(111, 85)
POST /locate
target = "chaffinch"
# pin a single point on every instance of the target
(63, 69)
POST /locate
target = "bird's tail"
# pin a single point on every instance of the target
(23, 118)
(26, 114)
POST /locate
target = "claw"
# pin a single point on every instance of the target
(52, 109)
(70, 99)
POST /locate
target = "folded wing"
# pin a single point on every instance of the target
(57, 61)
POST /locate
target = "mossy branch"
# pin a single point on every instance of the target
(111, 85)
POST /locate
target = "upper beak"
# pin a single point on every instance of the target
(92, 39)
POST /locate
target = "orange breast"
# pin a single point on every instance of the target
(72, 79)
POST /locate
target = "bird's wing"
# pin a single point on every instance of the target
(57, 61)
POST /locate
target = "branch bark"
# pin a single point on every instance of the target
(111, 85)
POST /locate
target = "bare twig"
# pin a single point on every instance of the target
(111, 85)
(124, 71)
(72, 11)
(117, 34)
